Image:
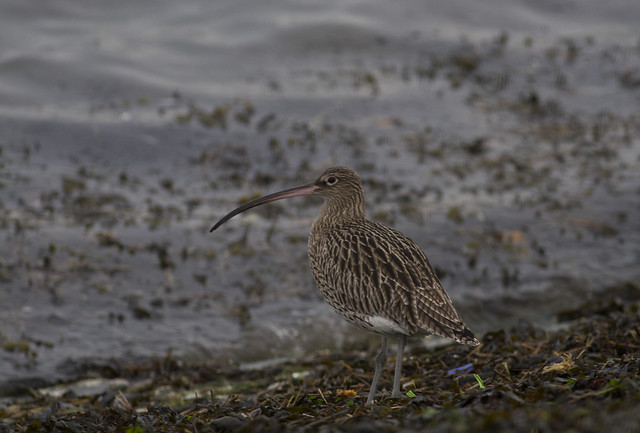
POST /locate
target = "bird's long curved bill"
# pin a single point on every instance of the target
(287, 193)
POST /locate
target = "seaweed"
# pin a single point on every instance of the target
(585, 377)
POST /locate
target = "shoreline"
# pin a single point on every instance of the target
(585, 376)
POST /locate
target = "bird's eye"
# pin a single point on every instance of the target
(331, 181)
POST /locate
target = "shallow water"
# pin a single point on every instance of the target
(502, 138)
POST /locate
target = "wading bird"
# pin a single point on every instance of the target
(372, 275)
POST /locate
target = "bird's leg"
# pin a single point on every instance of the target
(381, 358)
(402, 340)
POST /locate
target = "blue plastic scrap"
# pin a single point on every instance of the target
(461, 370)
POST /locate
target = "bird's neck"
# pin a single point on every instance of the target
(337, 212)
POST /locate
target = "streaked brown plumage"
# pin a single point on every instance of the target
(372, 275)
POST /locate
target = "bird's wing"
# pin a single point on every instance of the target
(376, 271)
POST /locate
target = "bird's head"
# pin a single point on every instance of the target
(340, 187)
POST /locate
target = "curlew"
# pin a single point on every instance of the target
(372, 275)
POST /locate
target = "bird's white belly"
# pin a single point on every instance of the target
(382, 325)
